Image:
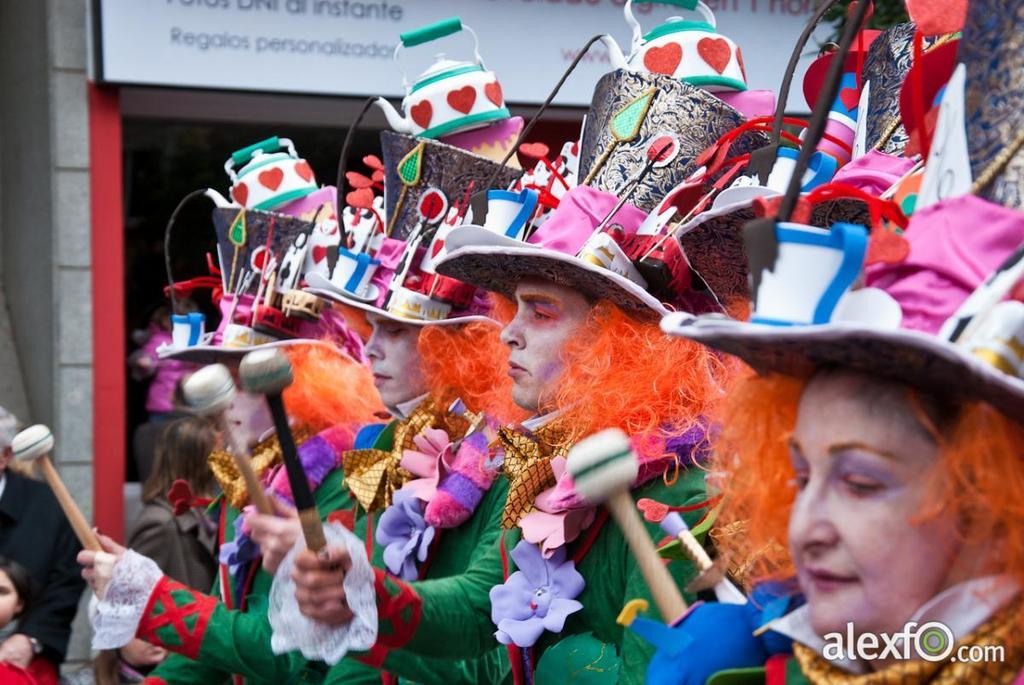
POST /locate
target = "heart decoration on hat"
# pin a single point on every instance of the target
(716, 52)
(361, 198)
(422, 113)
(241, 193)
(664, 59)
(494, 94)
(886, 246)
(463, 99)
(304, 171)
(319, 253)
(271, 178)
(850, 97)
(357, 180)
(935, 18)
(534, 150)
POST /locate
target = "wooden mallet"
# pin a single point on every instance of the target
(268, 372)
(603, 467)
(210, 392)
(35, 444)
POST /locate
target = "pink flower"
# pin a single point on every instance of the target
(552, 524)
(430, 461)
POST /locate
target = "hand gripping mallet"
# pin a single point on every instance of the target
(268, 372)
(35, 444)
(210, 392)
(603, 467)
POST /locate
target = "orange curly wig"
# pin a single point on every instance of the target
(330, 389)
(625, 373)
(978, 476)
(469, 362)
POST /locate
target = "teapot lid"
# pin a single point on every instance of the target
(444, 68)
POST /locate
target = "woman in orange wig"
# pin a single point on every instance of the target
(874, 466)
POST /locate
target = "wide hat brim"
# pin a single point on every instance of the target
(917, 359)
(497, 264)
(232, 356)
(322, 287)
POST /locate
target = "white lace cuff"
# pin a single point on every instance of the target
(118, 614)
(292, 631)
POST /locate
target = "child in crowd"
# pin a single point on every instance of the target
(16, 591)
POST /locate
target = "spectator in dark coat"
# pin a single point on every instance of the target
(35, 534)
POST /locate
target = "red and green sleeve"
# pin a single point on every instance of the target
(439, 630)
(222, 641)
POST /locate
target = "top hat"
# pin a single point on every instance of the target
(993, 53)
(262, 259)
(643, 136)
(386, 261)
(937, 321)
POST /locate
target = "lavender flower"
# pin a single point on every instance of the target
(404, 534)
(537, 597)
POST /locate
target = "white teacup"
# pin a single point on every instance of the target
(509, 213)
(353, 272)
(814, 269)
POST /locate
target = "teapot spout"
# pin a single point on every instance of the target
(218, 199)
(615, 55)
(396, 121)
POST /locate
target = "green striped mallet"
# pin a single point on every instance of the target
(34, 444)
(268, 372)
(210, 391)
(603, 468)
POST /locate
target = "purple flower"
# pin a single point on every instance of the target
(239, 551)
(537, 597)
(404, 534)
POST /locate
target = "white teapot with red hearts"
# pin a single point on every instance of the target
(450, 96)
(272, 174)
(688, 50)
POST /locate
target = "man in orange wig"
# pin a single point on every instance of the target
(586, 354)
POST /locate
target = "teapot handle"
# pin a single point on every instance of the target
(425, 34)
(432, 32)
(692, 5)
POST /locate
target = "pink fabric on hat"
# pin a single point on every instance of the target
(389, 256)
(750, 103)
(579, 213)
(874, 172)
(954, 246)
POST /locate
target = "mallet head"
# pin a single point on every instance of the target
(32, 443)
(265, 372)
(602, 465)
(210, 390)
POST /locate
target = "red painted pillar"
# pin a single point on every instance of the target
(108, 324)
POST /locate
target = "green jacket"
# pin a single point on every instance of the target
(460, 553)
(454, 613)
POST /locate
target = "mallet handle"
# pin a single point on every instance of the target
(663, 587)
(257, 495)
(74, 515)
(312, 528)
